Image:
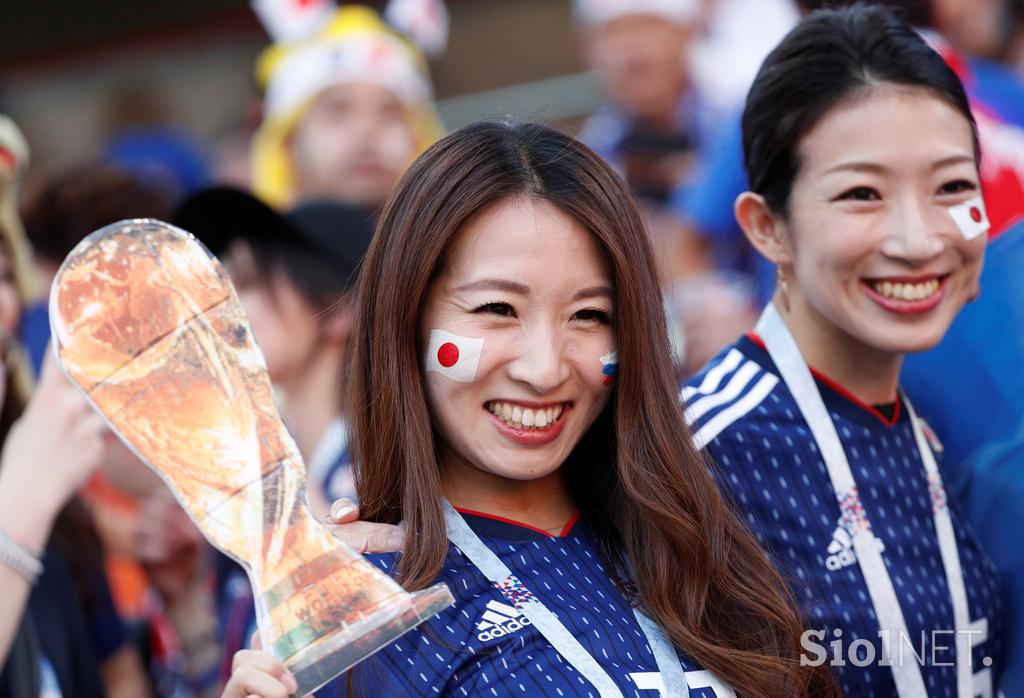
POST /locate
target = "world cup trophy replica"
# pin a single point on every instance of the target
(147, 324)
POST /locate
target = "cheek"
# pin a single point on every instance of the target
(396, 144)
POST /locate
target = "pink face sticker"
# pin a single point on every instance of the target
(970, 218)
(610, 367)
(453, 356)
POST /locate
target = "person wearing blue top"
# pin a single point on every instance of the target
(982, 432)
(512, 399)
(863, 162)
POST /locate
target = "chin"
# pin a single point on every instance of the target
(906, 340)
(520, 465)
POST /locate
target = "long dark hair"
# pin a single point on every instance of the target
(828, 58)
(635, 475)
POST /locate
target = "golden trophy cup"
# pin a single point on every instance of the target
(146, 322)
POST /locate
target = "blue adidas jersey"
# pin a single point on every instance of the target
(741, 412)
(482, 646)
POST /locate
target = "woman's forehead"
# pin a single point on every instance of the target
(528, 239)
(891, 127)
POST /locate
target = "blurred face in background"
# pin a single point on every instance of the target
(352, 145)
(640, 60)
(284, 324)
(976, 26)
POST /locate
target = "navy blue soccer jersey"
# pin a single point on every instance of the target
(743, 414)
(483, 646)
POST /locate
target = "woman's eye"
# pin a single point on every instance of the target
(502, 309)
(957, 186)
(860, 194)
(592, 314)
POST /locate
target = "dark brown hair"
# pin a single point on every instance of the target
(635, 475)
(831, 56)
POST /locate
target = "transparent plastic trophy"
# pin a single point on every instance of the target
(148, 325)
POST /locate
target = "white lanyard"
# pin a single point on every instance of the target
(564, 642)
(797, 376)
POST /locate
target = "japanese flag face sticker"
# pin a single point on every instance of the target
(610, 367)
(453, 356)
(970, 217)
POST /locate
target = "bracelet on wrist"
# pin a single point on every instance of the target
(19, 558)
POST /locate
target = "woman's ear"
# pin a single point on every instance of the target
(764, 229)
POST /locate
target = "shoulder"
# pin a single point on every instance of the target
(722, 397)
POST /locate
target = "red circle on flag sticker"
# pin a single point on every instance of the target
(447, 354)
(975, 214)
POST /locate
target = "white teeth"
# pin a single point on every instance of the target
(904, 291)
(525, 418)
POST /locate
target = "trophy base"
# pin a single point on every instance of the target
(331, 655)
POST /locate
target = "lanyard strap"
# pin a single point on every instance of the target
(797, 376)
(498, 573)
(564, 642)
(951, 562)
(672, 676)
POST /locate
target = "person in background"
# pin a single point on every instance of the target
(651, 132)
(61, 211)
(647, 131)
(294, 274)
(152, 555)
(144, 140)
(346, 111)
(59, 631)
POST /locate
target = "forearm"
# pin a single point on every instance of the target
(27, 525)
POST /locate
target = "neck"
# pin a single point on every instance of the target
(542, 503)
(870, 374)
(311, 399)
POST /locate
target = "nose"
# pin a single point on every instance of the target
(919, 231)
(540, 363)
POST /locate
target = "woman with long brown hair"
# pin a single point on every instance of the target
(511, 387)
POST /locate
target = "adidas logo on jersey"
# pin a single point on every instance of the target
(500, 620)
(840, 550)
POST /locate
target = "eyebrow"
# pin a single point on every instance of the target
(495, 285)
(592, 292)
(523, 290)
(863, 166)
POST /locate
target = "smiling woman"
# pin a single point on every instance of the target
(863, 163)
(514, 405)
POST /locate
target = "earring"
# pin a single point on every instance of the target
(783, 287)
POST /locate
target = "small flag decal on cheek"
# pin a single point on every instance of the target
(970, 218)
(610, 367)
(454, 357)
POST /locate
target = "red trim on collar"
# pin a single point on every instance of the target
(568, 526)
(753, 337)
(564, 532)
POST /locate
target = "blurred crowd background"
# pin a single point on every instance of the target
(136, 109)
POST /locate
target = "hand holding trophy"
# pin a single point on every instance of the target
(147, 324)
